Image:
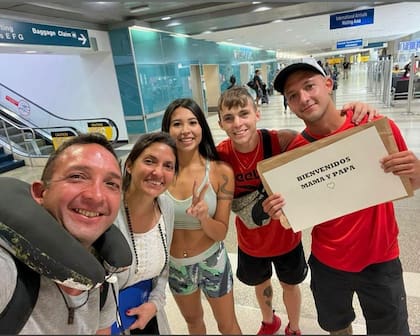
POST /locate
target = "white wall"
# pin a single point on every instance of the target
(69, 85)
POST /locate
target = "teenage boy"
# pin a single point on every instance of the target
(372, 269)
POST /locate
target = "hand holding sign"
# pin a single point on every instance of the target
(273, 206)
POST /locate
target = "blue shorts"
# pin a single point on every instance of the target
(211, 271)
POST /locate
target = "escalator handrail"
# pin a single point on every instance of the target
(112, 123)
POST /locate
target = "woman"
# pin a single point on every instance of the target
(146, 219)
(202, 194)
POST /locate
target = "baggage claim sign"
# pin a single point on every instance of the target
(39, 34)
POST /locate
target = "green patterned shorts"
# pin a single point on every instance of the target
(211, 271)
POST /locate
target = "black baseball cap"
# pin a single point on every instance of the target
(305, 64)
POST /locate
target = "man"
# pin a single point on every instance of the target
(346, 68)
(358, 252)
(266, 243)
(81, 188)
(258, 86)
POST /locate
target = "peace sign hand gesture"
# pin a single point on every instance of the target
(199, 208)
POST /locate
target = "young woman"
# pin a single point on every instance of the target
(202, 194)
(146, 219)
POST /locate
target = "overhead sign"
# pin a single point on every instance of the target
(350, 43)
(39, 34)
(410, 45)
(352, 19)
(377, 45)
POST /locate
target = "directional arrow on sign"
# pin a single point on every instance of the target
(82, 38)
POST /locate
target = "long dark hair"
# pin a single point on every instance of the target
(143, 142)
(206, 147)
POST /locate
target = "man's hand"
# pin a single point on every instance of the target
(403, 163)
(360, 110)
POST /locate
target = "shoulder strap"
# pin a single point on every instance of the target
(17, 312)
(307, 136)
(267, 150)
(103, 294)
(266, 138)
(20, 306)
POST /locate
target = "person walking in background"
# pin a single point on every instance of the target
(346, 68)
(232, 81)
(373, 268)
(262, 241)
(146, 219)
(202, 193)
(258, 86)
(285, 105)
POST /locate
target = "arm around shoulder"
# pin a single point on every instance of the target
(285, 137)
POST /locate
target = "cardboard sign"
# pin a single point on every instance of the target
(335, 175)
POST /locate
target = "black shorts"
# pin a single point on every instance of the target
(291, 268)
(380, 290)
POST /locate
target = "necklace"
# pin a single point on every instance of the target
(71, 310)
(162, 237)
(246, 167)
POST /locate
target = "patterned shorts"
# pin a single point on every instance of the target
(211, 271)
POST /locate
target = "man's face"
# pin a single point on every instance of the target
(240, 123)
(308, 95)
(84, 192)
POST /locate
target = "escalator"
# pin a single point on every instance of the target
(30, 132)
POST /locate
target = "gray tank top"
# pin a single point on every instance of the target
(185, 221)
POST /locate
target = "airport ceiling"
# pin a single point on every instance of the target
(286, 26)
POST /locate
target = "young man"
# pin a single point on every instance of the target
(372, 269)
(81, 188)
(266, 242)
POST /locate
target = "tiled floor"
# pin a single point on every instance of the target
(408, 213)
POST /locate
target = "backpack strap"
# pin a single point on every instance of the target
(267, 151)
(266, 139)
(20, 306)
(103, 290)
(307, 136)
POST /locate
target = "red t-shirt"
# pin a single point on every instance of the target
(271, 239)
(354, 241)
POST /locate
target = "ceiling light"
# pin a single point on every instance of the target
(256, 2)
(173, 24)
(262, 9)
(139, 9)
(166, 18)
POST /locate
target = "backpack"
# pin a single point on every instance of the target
(252, 84)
